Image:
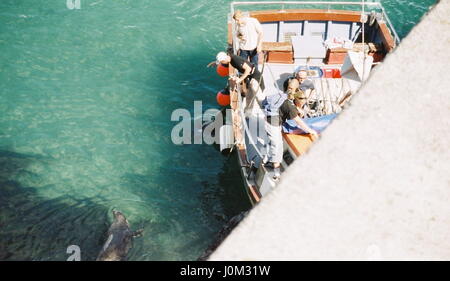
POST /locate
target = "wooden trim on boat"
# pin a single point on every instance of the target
(306, 14)
(299, 15)
(279, 52)
(243, 162)
(337, 55)
(386, 36)
(299, 144)
(280, 57)
(243, 155)
(255, 193)
(277, 46)
(234, 95)
(313, 15)
(316, 15)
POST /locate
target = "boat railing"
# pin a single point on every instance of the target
(328, 4)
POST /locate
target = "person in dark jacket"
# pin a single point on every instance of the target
(249, 74)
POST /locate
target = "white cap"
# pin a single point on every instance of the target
(221, 57)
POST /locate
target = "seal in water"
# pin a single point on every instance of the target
(120, 239)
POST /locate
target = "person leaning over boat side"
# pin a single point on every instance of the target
(250, 35)
(250, 74)
(287, 110)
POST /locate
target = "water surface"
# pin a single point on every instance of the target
(86, 98)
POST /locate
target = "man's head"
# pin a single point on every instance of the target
(239, 17)
(292, 88)
(223, 58)
(302, 75)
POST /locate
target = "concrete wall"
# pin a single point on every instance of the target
(377, 184)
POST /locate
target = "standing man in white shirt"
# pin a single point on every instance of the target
(250, 34)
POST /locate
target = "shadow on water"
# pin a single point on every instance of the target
(231, 195)
(33, 227)
(202, 172)
(186, 214)
(184, 204)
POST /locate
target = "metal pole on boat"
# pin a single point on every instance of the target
(233, 29)
(363, 20)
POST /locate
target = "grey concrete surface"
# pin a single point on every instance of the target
(377, 184)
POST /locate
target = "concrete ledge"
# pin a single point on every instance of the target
(377, 185)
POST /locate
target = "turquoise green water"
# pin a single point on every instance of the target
(86, 98)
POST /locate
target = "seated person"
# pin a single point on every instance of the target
(279, 108)
(302, 106)
(306, 85)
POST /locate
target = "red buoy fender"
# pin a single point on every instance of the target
(222, 70)
(223, 99)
